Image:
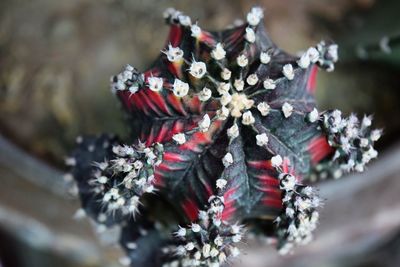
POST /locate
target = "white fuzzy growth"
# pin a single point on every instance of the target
(375, 135)
(264, 108)
(250, 36)
(287, 109)
(313, 54)
(218, 52)
(262, 139)
(332, 52)
(155, 83)
(205, 123)
(239, 84)
(313, 116)
(179, 138)
(265, 57)
(205, 94)
(233, 131)
(254, 16)
(227, 160)
(181, 232)
(247, 118)
(242, 61)
(226, 99)
(276, 161)
(185, 20)
(174, 54)
(304, 61)
(198, 69)
(221, 183)
(180, 88)
(196, 30)
(288, 71)
(196, 228)
(288, 182)
(223, 88)
(269, 84)
(252, 79)
(226, 74)
(223, 113)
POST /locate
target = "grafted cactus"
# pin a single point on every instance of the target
(226, 141)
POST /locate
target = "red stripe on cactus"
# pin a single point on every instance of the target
(165, 166)
(148, 139)
(235, 37)
(175, 68)
(124, 96)
(177, 127)
(261, 164)
(272, 202)
(191, 210)
(319, 149)
(137, 102)
(194, 104)
(207, 38)
(162, 134)
(145, 97)
(176, 103)
(268, 180)
(286, 166)
(158, 179)
(273, 192)
(229, 204)
(312, 80)
(175, 35)
(174, 157)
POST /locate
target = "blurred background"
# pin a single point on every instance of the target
(56, 58)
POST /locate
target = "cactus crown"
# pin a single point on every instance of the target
(226, 134)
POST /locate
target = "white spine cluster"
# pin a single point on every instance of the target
(352, 140)
(129, 79)
(209, 242)
(299, 215)
(121, 181)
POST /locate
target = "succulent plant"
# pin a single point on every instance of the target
(226, 140)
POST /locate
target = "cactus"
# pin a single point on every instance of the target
(226, 140)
